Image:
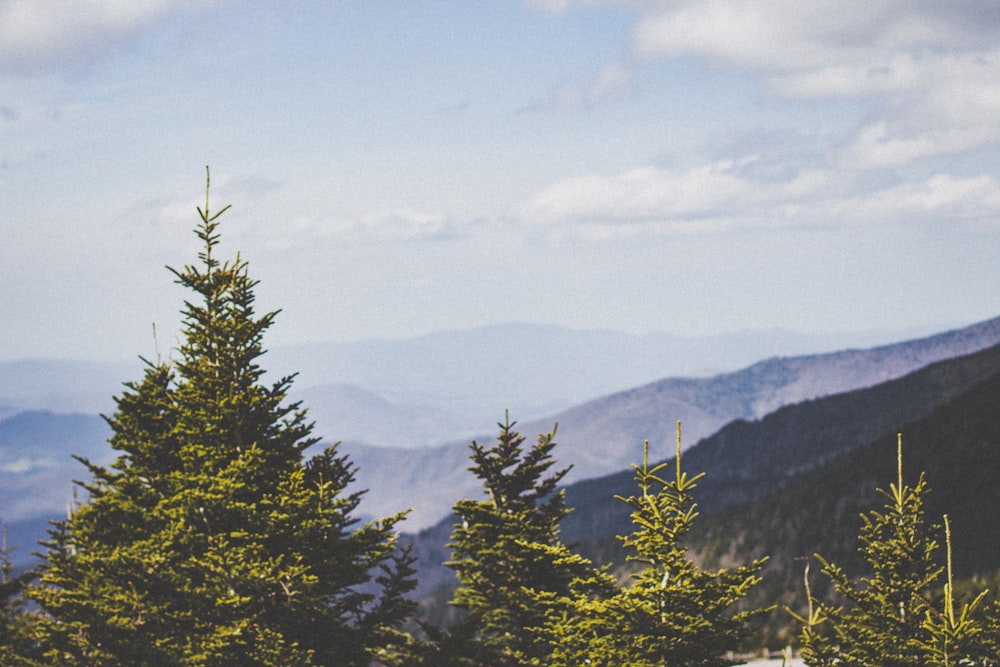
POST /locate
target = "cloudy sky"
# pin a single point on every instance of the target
(397, 168)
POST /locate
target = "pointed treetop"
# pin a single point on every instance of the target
(206, 231)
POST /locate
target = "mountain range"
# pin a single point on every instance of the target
(605, 435)
(748, 460)
(956, 447)
(599, 436)
(454, 381)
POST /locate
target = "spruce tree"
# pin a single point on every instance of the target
(514, 572)
(211, 540)
(889, 619)
(674, 613)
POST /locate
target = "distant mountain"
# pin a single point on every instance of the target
(37, 469)
(458, 381)
(748, 460)
(600, 436)
(60, 385)
(439, 387)
(357, 414)
(606, 434)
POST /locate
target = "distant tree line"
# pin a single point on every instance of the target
(216, 539)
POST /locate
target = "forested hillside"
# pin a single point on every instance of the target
(957, 447)
(603, 435)
(747, 460)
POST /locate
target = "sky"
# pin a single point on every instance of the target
(398, 168)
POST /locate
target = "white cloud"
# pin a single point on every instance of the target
(729, 194)
(705, 197)
(397, 224)
(930, 71)
(850, 79)
(940, 198)
(40, 33)
(807, 35)
(876, 146)
(25, 464)
(612, 81)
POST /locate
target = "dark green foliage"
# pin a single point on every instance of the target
(210, 540)
(675, 613)
(514, 572)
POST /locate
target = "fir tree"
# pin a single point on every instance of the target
(889, 619)
(211, 540)
(674, 613)
(513, 570)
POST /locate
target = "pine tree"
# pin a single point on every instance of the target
(211, 540)
(513, 571)
(889, 619)
(674, 613)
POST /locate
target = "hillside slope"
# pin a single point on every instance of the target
(606, 434)
(957, 446)
(747, 460)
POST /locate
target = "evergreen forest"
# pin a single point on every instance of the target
(226, 533)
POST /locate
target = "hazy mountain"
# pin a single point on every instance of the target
(60, 385)
(467, 378)
(37, 469)
(747, 459)
(443, 386)
(454, 381)
(599, 436)
(357, 414)
(606, 434)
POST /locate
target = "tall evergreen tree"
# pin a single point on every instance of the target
(674, 613)
(888, 618)
(514, 572)
(211, 540)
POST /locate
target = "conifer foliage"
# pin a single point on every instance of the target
(513, 570)
(674, 613)
(211, 540)
(889, 619)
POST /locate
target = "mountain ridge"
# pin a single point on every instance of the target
(956, 447)
(749, 460)
(598, 436)
(457, 381)
(603, 435)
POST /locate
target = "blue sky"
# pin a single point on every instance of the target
(397, 168)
